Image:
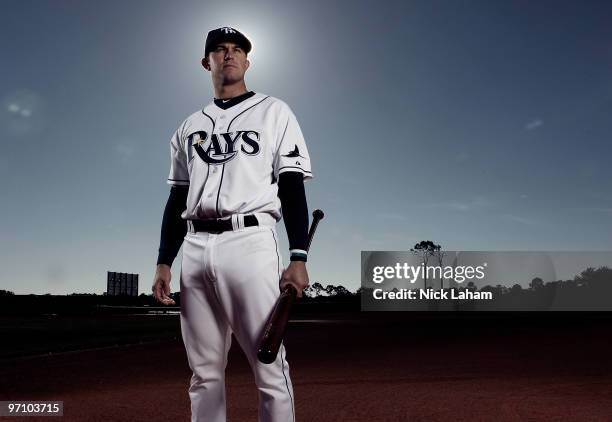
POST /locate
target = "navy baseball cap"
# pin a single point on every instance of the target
(226, 34)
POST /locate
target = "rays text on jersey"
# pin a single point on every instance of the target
(220, 148)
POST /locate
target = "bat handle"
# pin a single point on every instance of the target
(317, 215)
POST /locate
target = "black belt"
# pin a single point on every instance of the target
(218, 225)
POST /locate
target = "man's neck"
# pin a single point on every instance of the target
(230, 91)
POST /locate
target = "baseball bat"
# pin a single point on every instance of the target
(274, 330)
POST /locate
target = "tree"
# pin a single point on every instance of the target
(308, 292)
(536, 283)
(330, 289)
(316, 289)
(592, 277)
(4, 293)
(516, 288)
(425, 249)
(439, 255)
(501, 289)
(342, 291)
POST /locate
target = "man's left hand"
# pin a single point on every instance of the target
(296, 275)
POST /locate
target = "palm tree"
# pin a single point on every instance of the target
(425, 249)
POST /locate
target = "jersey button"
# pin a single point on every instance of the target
(222, 117)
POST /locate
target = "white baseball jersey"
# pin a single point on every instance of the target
(231, 158)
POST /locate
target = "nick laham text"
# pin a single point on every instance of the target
(425, 294)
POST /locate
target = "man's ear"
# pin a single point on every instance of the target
(205, 63)
(248, 63)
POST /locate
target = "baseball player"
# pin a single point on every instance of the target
(236, 168)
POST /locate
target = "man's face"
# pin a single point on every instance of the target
(227, 62)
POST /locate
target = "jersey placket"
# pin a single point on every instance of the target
(220, 170)
(215, 174)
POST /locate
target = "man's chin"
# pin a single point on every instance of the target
(229, 79)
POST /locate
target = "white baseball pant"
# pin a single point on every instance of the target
(229, 284)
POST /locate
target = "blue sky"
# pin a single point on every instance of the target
(479, 125)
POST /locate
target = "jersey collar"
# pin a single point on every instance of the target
(227, 103)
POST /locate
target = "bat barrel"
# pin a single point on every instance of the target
(317, 215)
(276, 325)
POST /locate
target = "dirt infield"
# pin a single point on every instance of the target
(366, 370)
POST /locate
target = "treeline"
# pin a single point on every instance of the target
(329, 297)
(591, 289)
(72, 304)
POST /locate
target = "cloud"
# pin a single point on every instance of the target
(477, 202)
(461, 157)
(391, 216)
(534, 124)
(356, 238)
(19, 110)
(125, 150)
(23, 112)
(517, 219)
(605, 210)
(458, 205)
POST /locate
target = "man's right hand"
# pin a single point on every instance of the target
(161, 285)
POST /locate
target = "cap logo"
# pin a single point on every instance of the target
(228, 30)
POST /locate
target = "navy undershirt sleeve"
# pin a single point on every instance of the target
(173, 228)
(295, 209)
